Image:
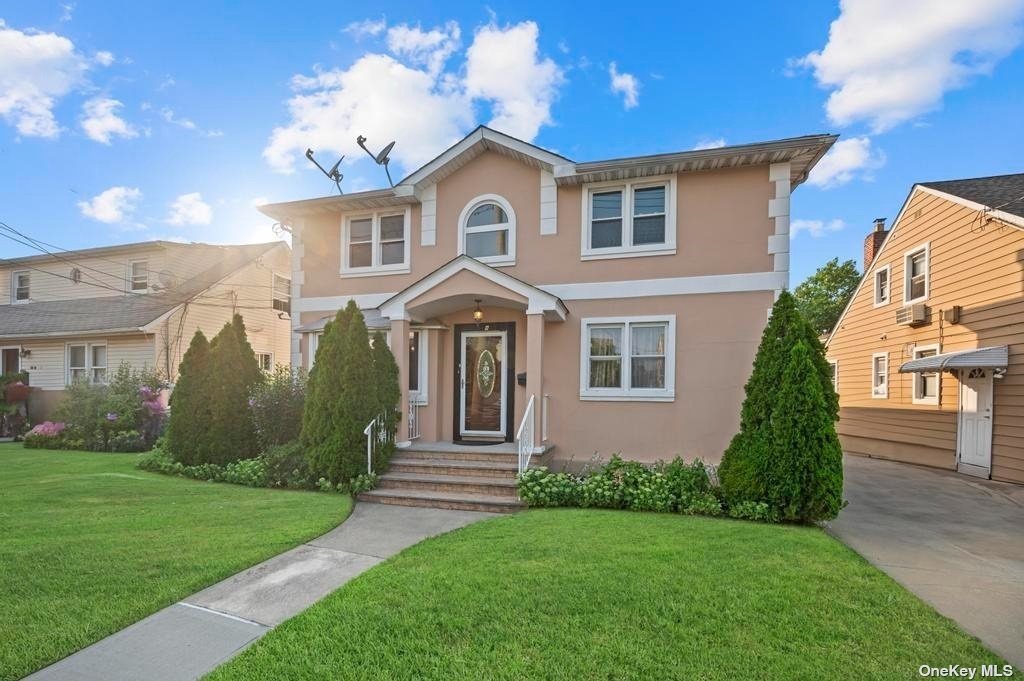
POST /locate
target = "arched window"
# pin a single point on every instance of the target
(488, 230)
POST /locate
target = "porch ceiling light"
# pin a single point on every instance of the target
(478, 314)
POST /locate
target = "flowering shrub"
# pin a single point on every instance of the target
(363, 483)
(46, 435)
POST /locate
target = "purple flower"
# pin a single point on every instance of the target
(154, 406)
(252, 402)
(48, 428)
(147, 393)
(111, 416)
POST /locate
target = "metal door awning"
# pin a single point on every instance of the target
(992, 358)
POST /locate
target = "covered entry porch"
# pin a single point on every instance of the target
(469, 343)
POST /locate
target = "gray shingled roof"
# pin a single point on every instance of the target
(1005, 192)
(118, 313)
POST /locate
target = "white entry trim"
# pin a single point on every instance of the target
(502, 375)
(982, 415)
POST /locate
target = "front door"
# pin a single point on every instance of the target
(482, 382)
(974, 433)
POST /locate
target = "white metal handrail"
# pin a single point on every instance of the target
(524, 437)
(414, 420)
(544, 417)
(377, 433)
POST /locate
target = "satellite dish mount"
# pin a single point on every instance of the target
(380, 159)
(333, 174)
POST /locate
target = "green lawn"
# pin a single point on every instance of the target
(572, 594)
(90, 544)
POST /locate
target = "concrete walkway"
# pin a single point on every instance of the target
(191, 638)
(955, 541)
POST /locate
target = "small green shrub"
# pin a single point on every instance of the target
(248, 472)
(126, 441)
(754, 510)
(287, 466)
(363, 483)
(539, 487)
(277, 405)
(703, 503)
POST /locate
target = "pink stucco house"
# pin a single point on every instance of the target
(542, 307)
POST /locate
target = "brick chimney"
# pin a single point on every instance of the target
(873, 242)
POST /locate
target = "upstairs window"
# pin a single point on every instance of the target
(282, 295)
(628, 358)
(139, 276)
(632, 218)
(880, 375)
(915, 275)
(489, 230)
(882, 276)
(375, 243)
(20, 286)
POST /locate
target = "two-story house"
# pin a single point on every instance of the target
(77, 315)
(928, 357)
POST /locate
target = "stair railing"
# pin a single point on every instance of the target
(524, 437)
(414, 419)
(377, 434)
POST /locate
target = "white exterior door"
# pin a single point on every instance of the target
(974, 432)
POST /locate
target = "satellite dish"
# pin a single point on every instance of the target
(333, 174)
(380, 159)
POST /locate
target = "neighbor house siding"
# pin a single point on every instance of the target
(975, 264)
(101, 276)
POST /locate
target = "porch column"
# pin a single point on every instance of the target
(535, 370)
(400, 349)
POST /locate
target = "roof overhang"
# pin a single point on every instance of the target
(994, 213)
(537, 300)
(368, 200)
(985, 358)
(802, 153)
(127, 331)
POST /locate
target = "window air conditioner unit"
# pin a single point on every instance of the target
(912, 315)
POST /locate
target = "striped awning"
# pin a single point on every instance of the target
(993, 358)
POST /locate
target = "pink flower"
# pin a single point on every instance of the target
(48, 428)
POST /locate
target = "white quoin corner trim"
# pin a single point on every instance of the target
(778, 210)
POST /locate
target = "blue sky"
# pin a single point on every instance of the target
(130, 121)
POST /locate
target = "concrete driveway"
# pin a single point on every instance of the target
(956, 542)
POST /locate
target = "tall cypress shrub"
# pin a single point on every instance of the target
(190, 404)
(320, 438)
(231, 434)
(385, 379)
(359, 400)
(804, 471)
(741, 472)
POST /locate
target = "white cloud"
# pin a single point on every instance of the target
(104, 58)
(625, 84)
(816, 228)
(425, 48)
(709, 143)
(100, 121)
(504, 67)
(847, 159)
(67, 11)
(366, 27)
(411, 97)
(112, 205)
(36, 70)
(887, 62)
(190, 209)
(187, 123)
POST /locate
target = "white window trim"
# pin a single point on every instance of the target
(14, 287)
(834, 363)
(274, 292)
(499, 260)
(88, 361)
(312, 344)
(422, 395)
(375, 270)
(888, 285)
(917, 377)
(6, 369)
(269, 354)
(626, 250)
(627, 394)
(926, 249)
(130, 279)
(882, 394)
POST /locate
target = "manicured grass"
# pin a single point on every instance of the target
(89, 544)
(574, 594)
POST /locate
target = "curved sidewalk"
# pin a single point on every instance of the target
(191, 638)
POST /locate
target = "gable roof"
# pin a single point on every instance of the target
(802, 153)
(120, 314)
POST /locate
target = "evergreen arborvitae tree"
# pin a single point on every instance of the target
(740, 473)
(190, 404)
(320, 437)
(804, 470)
(230, 432)
(385, 378)
(359, 399)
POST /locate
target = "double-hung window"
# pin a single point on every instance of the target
(628, 358)
(138, 276)
(21, 286)
(86, 362)
(266, 361)
(926, 383)
(882, 279)
(834, 366)
(880, 375)
(631, 218)
(282, 294)
(375, 243)
(915, 275)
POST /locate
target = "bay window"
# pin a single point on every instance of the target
(628, 358)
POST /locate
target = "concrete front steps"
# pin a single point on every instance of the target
(446, 475)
